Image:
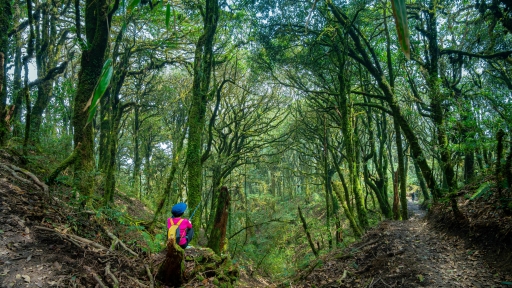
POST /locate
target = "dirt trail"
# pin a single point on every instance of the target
(409, 254)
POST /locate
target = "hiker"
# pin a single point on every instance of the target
(185, 227)
(412, 197)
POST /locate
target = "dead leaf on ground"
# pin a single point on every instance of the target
(26, 278)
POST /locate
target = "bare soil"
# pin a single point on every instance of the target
(45, 242)
(412, 253)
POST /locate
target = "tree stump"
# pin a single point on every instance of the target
(172, 271)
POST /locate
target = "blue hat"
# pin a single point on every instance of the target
(179, 209)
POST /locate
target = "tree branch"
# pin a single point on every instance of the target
(50, 75)
(499, 55)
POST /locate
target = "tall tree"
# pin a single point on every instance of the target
(203, 65)
(5, 25)
(98, 20)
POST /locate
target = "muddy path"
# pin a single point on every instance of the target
(408, 254)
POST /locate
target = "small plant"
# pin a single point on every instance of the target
(481, 190)
(154, 243)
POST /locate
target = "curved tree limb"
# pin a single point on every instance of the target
(50, 75)
(65, 164)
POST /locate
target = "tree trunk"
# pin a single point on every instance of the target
(16, 91)
(396, 200)
(110, 178)
(308, 235)
(508, 170)
(137, 160)
(45, 60)
(203, 62)
(353, 224)
(177, 148)
(423, 186)
(401, 172)
(5, 25)
(346, 114)
(499, 155)
(172, 271)
(217, 241)
(97, 21)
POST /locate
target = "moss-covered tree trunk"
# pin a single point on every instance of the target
(5, 25)
(172, 270)
(308, 235)
(137, 160)
(16, 87)
(217, 240)
(358, 232)
(177, 149)
(203, 63)
(346, 114)
(508, 170)
(97, 27)
(46, 58)
(499, 155)
(110, 178)
(402, 180)
(423, 186)
(380, 162)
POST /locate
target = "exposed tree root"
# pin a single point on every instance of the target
(15, 175)
(137, 281)
(34, 178)
(109, 274)
(78, 241)
(116, 241)
(151, 280)
(98, 279)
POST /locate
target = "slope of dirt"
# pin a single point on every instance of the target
(486, 222)
(407, 254)
(44, 242)
(38, 242)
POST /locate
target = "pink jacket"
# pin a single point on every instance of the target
(185, 224)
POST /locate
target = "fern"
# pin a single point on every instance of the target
(481, 190)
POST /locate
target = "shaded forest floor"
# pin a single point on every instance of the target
(421, 252)
(44, 243)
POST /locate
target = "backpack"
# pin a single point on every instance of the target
(174, 231)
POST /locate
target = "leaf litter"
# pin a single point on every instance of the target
(413, 253)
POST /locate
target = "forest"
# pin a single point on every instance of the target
(316, 143)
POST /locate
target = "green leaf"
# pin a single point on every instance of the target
(167, 15)
(132, 5)
(174, 20)
(400, 15)
(481, 190)
(99, 90)
(506, 283)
